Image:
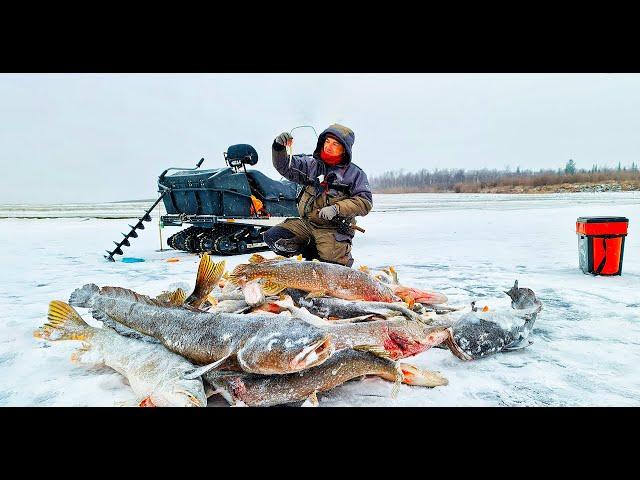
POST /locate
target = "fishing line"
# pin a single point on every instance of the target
(290, 147)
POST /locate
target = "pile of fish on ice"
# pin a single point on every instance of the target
(278, 331)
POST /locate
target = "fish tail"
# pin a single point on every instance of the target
(239, 276)
(208, 276)
(83, 296)
(64, 323)
(412, 375)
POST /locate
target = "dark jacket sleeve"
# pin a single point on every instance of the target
(361, 201)
(301, 167)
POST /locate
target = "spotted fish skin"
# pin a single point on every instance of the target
(331, 279)
(481, 334)
(154, 373)
(265, 344)
(400, 338)
(265, 391)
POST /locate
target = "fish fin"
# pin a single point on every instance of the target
(177, 297)
(299, 258)
(83, 296)
(239, 274)
(311, 401)
(363, 268)
(394, 275)
(376, 350)
(199, 371)
(64, 323)
(127, 294)
(518, 345)
(209, 274)
(319, 293)
(412, 375)
(272, 288)
(146, 402)
(257, 258)
(397, 382)
(340, 321)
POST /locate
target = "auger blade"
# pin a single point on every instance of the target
(118, 250)
(125, 240)
(133, 233)
(109, 257)
(146, 218)
(140, 225)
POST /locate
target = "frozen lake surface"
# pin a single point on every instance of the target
(586, 348)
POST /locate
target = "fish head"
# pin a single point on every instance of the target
(286, 350)
(523, 298)
(180, 392)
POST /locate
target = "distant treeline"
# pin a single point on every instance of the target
(471, 181)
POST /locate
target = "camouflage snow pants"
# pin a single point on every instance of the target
(297, 236)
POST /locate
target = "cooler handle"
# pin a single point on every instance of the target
(604, 258)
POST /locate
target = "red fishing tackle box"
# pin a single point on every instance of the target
(601, 244)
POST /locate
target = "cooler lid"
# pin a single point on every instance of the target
(602, 219)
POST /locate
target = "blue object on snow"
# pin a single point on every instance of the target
(132, 260)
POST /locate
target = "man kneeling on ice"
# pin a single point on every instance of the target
(334, 192)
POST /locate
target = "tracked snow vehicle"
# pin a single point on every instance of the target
(227, 208)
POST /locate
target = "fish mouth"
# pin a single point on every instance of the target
(455, 349)
(313, 355)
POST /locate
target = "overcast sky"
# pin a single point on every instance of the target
(107, 137)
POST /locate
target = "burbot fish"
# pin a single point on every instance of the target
(156, 375)
(209, 273)
(478, 334)
(265, 344)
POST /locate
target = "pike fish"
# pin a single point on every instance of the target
(156, 375)
(337, 308)
(264, 391)
(395, 338)
(410, 295)
(482, 333)
(318, 278)
(209, 273)
(265, 344)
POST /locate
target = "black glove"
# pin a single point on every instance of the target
(283, 138)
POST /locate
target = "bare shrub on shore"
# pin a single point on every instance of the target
(474, 181)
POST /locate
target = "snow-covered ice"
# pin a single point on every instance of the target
(586, 349)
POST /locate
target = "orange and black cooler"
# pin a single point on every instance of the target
(601, 244)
